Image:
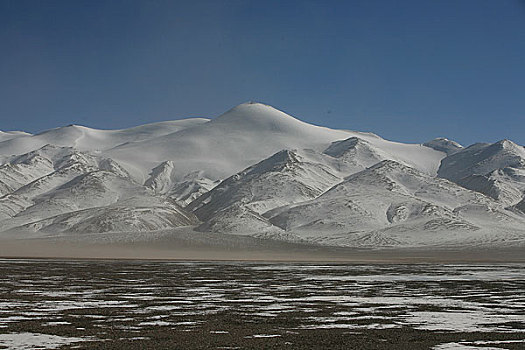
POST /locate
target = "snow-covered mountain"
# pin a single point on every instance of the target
(393, 204)
(257, 171)
(244, 136)
(52, 183)
(497, 170)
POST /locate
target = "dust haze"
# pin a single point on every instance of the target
(209, 247)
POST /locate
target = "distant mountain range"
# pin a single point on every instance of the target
(257, 171)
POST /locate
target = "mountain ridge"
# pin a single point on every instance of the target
(257, 171)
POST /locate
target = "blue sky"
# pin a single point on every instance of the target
(406, 70)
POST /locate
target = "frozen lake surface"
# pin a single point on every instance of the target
(50, 304)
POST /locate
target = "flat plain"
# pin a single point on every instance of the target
(110, 304)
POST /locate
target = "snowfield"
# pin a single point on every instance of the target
(257, 171)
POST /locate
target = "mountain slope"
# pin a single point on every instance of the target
(59, 182)
(8, 135)
(391, 204)
(162, 181)
(244, 136)
(481, 159)
(87, 139)
(284, 178)
(505, 185)
(257, 171)
(118, 217)
(497, 170)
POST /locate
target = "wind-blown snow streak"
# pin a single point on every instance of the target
(257, 171)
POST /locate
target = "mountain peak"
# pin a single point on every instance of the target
(390, 165)
(252, 107)
(259, 116)
(253, 103)
(339, 148)
(506, 147)
(443, 144)
(71, 129)
(277, 162)
(481, 159)
(507, 144)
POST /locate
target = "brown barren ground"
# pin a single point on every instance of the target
(245, 249)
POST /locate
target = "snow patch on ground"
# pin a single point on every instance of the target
(33, 341)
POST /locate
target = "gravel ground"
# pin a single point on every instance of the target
(52, 304)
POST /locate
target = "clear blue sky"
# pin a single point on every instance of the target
(408, 70)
